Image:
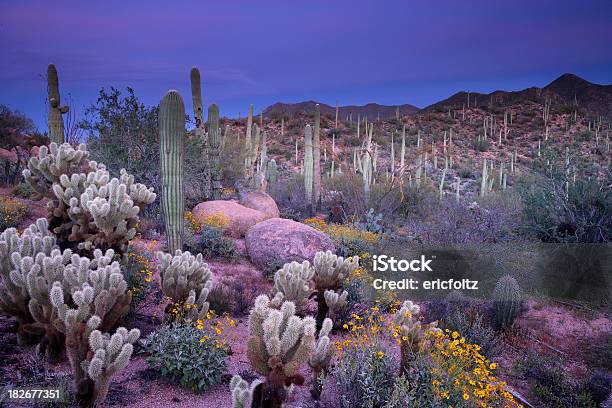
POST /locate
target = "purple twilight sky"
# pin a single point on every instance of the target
(261, 52)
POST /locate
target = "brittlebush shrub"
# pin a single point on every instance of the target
(207, 237)
(12, 213)
(349, 240)
(190, 355)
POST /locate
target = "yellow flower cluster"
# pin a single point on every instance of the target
(146, 266)
(216, 220)
(342, 232)
(459, 368)
(216, 326)
(12, 212)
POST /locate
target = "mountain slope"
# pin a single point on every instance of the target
(371, 110)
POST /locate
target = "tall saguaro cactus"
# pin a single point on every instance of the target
(172, 148)
(214, 151)
(316, 151)
(198, 112)
(56, 122)
(308, 166)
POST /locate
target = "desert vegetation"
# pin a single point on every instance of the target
(231, 264)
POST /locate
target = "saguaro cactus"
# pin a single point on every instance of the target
(56, 122)
(198, 113)
(308, 166)
(214, 152)
(316, 152)
(172, 151)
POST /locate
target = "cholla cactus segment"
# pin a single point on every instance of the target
(293, 281)
(183, 273)
(279, 341)
(18, 255)
(110, 354)
(330, 269)
(336, 302)
(87, 207)
(242, 392)
(323, 353)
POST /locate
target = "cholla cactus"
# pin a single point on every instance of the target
(279, 343)
(110, 355)
(87, 208)
(336, 302)
(187, 280)
(507, 301)
(330, 271)
(410, 332)
(14, 295)
(92, 296)
(320, 358)
(242, 392)
(293, 281)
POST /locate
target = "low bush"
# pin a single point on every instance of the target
(363, 378)
(349, 241)
(474, 328)
(207, 237)
(186, 354)
(12, 213)
(23, 190)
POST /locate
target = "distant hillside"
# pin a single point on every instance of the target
(594, 98)
(371, 110)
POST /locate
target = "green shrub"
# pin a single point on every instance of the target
(220, 299)
(481, 145)
(189, 356)
(23, 190)
(559, 210)
(211, 243)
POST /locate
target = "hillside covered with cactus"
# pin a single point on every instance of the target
(283, 205)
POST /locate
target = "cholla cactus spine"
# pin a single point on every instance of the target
(172, 151)
(56, 122)
(507, 301)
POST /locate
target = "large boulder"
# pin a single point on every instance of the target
(277, 241)
(239, 217)
(260, 201)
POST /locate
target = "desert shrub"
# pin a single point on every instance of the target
(243, 295)
(349, 240)
(23, 190)
(599, 386)
(137, 269)
(474, 328)
(494, 219)
(585, 136)
(363, 377)
(194, 358)
(549, 383)
(220, 299)
(290, 198)
(598, 353)
(481, 145)
(12, 213)
(559, 210)
(207, 237)
(232, 163)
